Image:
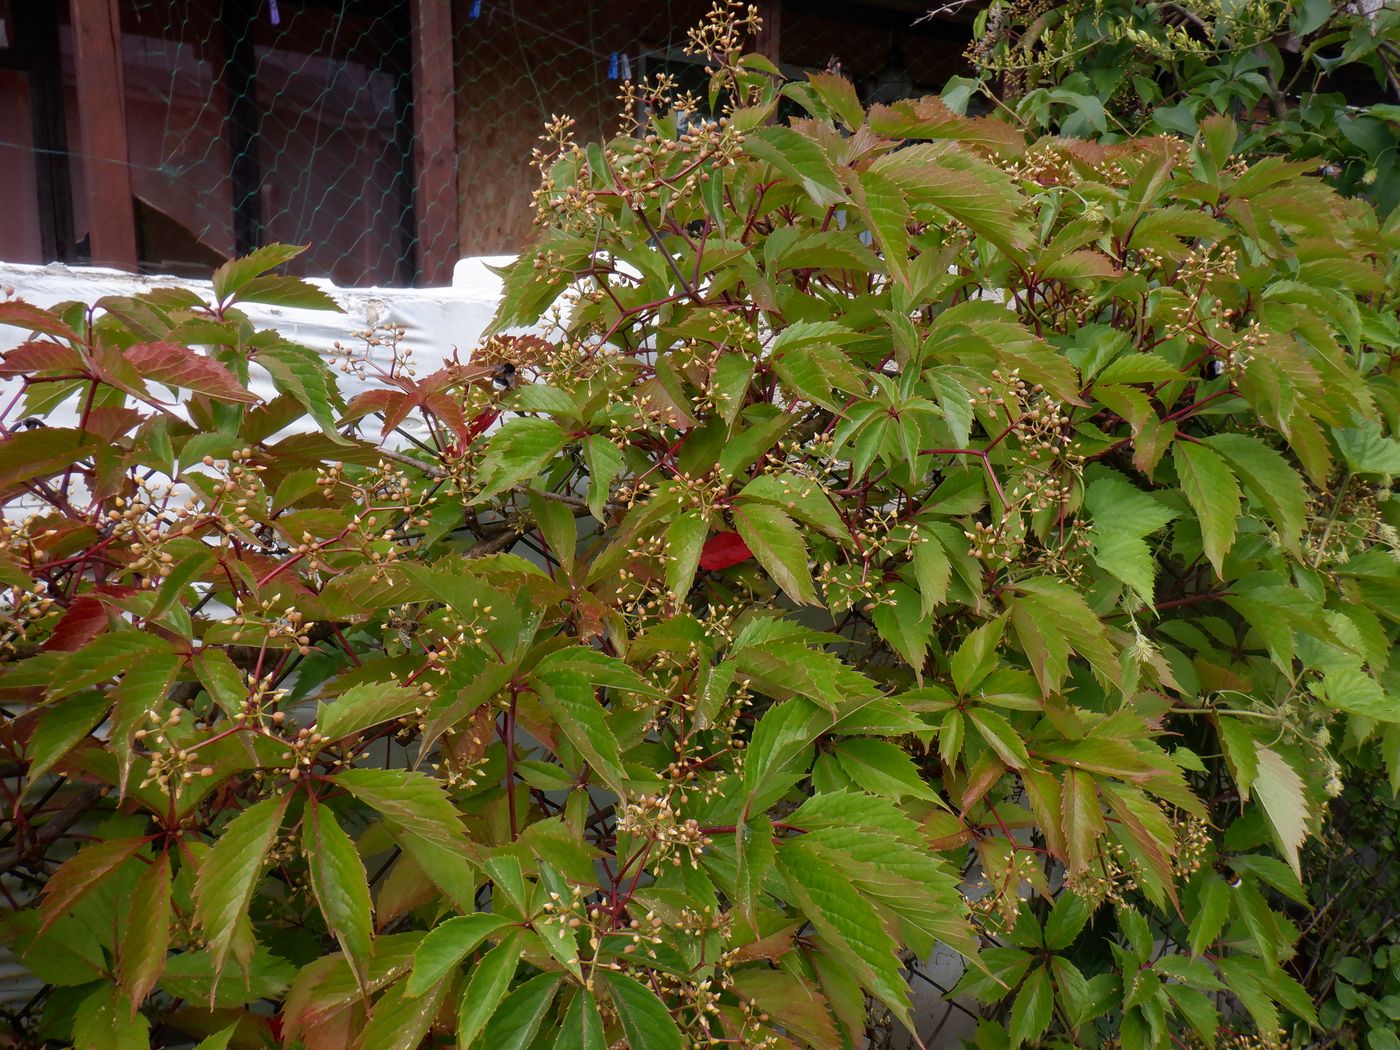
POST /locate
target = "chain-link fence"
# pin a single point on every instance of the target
(254, 121)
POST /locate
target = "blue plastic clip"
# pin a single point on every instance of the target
(475, 12)
(612, 66)
(274, 15)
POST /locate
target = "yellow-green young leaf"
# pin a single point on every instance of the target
(645, 1019)
(1033, 1008)
(105, 1021)
(229, 874)
(1213, 493)
(1270, 480)
(685, 537)
(485, 989)
(582, 1025)
(423, 822)
(778, 545)
(519, 450)
(447, 944)
(519, 1016)
(1240, 756)
(1279, 791)
(847, 921)
(571, 699)
(362, 706)
(146, 934)
(399, 1022)
(338, 880)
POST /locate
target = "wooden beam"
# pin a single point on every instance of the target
(767, 41)
(238, 74)
(434, 141)
(111, 213)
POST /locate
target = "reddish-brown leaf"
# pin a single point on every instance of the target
(20, 314)
(179, 366)
(40, 355)
(724, 549)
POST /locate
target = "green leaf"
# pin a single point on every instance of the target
(145, 936)
(645, 1019)
(447, 944)
(340, 885)
(81, 873)
(302, 373)
(228, 875)
(1000, 737)
(398, 1022)
(754, 855)
(1214, 495)
(848, 921)
(362, 706)
(1279, 790)
(423, 822)
(519, 450)
(685, 537)
(1211, 912)
(485, 989)
(1033, 1008)
(219, 1040)
(582, 1025)
(882, 768)
(777, 543)
(977, 656)
(799, 158)
(604, 461)
(1123, 514)
(571, 698)
(1066, 920)
(1270, 480)
(60, 728)
(520, 1014)
(104, 1021)
(1367, 451)
(236, 273)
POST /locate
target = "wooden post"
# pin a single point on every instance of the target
(766, 43)
(434, 141)
(111, 212)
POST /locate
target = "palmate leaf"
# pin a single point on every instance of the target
(363, 706)
(848, 922)
(83, 872)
